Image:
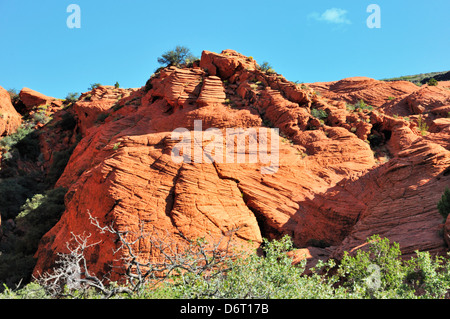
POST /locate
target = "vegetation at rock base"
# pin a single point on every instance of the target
(320, 114)
(432, 82)
(375, 272)
(422, 125)
(423, 78)
(444, 203)
(37, 216)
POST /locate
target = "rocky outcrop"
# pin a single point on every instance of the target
(373, 92)
(10, 120)
(31, 98)
(335, 179)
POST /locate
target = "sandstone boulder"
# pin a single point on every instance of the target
(10, 120)
(322, 185)
(31, 98)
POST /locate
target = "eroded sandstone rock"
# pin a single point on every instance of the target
(328, 191)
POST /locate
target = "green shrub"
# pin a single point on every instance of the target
(37, 216)
(94, 86)
(265, 66)
(14, 95)
(40, 117)
(11, 140)
(13, 193)
(253, 276)
(177, 57)
(422, 125)
(25, 142)
(67, 122)
(378, 271)
(117, 85)
(444, 203)
(379, 268)
(72, 97)
(361, 105)
(432, 82)
(319, 114)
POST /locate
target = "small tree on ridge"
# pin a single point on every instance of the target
(181, 55)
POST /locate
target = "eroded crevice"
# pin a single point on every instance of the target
(170, 199)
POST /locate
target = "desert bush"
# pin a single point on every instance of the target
(319, 114)
(67, 122)
(10, 141)
(24, 142)
(444, 203)
(40, 117)
(265, 66)
(432, 82)
(177, 57)
(422, 125)
(14, 95)
(72, 97)
(361, 105)
(13, 193)
(37, 216)
(94, 86)
(204, 271)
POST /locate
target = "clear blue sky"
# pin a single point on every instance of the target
(306, 41)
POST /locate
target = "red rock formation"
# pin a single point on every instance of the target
(10, 120)
(373, 92)
(327, 189)
(31, 98)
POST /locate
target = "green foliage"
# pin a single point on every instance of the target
(177, 57)
(378, 268)
(380, 272)
(253, 276)
(37, 216)
(432, 82)
(24, 142)
(117, 85)
(376, 271)
(422, 78)
(14, 95)
(361, 105)
(422, 125)
(11, 140)
(444, 203)
(40, 117)
(94, 86)
(265, 66)
(319, 114)
(349, 107)
(67, 122)
(72, 97)
(14, 192)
